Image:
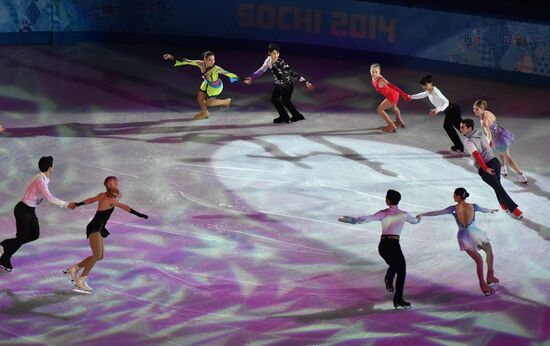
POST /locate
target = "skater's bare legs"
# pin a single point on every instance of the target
(398, 118)
(96, 243)
(479, 270)
(491, 279)
(213, 102)
(201, 100)
(507, 160)
(381, 110)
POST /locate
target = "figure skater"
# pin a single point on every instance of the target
(2, 129)
(211, 86)
(282, 92)
(391, 94)
(393, 219)
(500, 139)
(96, 231)
(477, 145)
(471, 238)
(442, 104)
(28, 228)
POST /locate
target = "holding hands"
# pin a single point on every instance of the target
(167, 57)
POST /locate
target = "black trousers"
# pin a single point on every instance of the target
(27, 229)
(494, 182)
(281, 98)
(452, 122)
(390, 250)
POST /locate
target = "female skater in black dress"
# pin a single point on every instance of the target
(96, 231)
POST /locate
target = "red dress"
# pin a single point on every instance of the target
(388, 91)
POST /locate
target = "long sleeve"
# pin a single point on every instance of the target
(232, 77)
(401, 92)
(419, 96)
(411, 219)
(374, 217)
(443, 101)
(481, 209)
(43, 188)
(187, 62)
(447, 210)
(262, 69)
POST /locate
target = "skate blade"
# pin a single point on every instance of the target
(486, 294)
(402, 307)
(76, 289)
(6, 269)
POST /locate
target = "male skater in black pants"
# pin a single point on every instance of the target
(393, 219)
(442, 104)
(488, 165)
(26, 221)
(282, 92)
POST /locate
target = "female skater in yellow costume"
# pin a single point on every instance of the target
(211, 86)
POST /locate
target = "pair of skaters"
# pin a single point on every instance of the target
(28, 228)
(470, 239)
(499, 137)
(212, 85)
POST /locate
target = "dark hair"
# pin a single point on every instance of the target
(45, 163)
(462, 193)
(272, 47)
(393, 196)
(206, 54)
(426, 79)
(468, 122)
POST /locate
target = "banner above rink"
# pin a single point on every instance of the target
(457, 38)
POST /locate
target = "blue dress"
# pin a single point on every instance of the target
(469, 236)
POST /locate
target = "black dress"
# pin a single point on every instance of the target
(98, 223)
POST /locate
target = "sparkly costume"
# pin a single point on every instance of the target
(212, 84)
(469, 236)
(282, 92)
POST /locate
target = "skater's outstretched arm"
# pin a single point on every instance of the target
(43, 188)
(362, 219)
(232, 77)
(484, 210)
(448, 210)
(90, 200)
(128, 209)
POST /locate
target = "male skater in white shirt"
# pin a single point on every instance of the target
(26, 221)
(393, 219)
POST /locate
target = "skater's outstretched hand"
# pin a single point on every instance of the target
(309, 86)
(433, 112)
(248, 80)
(167, 57)
(71, 205)
(418, 217)
(407, 98)
(138, 214)
(348, 219)
(494, 211)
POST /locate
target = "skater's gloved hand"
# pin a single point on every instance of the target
(167, 57)
(348, 219)
(136, 213)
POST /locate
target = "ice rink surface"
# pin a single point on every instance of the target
(243, 246)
